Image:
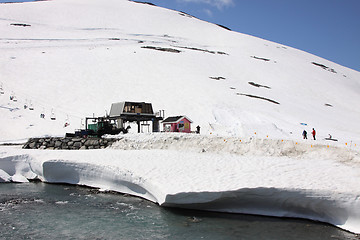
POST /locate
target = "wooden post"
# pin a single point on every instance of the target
(86, 125)
(155, 126)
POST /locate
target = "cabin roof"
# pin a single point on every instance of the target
(118, 109)
(175, 119)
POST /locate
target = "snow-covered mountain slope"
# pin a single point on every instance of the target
(75, 58)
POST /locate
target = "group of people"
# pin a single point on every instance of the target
(313, 133)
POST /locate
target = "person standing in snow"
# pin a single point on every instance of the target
(313, 133)
(198, 129)
(304, 134)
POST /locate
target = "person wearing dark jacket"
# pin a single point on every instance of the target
(304, 134)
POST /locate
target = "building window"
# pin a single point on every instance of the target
(167, 128)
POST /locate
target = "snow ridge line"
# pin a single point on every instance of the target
(238, 146)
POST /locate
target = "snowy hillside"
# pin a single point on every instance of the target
(75, 58)
(252, 98)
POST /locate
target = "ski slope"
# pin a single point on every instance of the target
(75, 59)
(72, 59)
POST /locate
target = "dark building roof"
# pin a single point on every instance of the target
(175, 119)
(117, 109)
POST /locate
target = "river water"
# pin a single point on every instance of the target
(52, 211)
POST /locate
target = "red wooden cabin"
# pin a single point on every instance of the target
(177, 124)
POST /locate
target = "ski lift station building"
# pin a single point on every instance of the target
(139, 112)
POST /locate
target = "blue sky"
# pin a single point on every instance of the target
(326, 28)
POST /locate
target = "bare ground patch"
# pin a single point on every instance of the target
(260, 58)
(258, 97)
(172, 50)
(259, 85)
(324, 67)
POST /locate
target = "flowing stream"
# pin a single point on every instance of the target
(53, 211)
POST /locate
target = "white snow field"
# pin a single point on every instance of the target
(251, 97)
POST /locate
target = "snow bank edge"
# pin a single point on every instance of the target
(341, 209)
(337, 209)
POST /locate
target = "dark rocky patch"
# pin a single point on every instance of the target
(320, 65)
(328, 105)
(324, 67)
(253, 96)
(224, 27)
(259, 85)
(260, 58)
(20, 25)
(68, 143)
(184, 14)
(198, 49)
(148, 3)
(203, 50)
(172, 50)
(218, 78)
